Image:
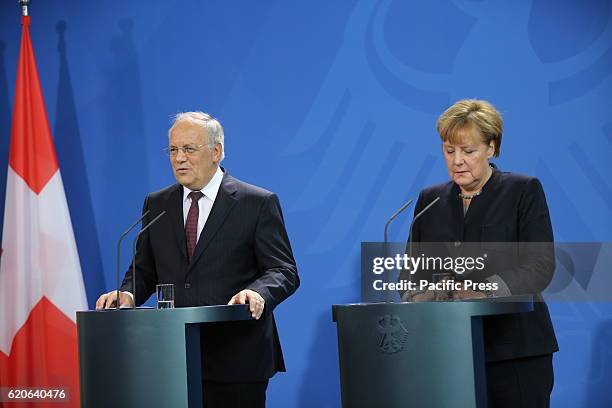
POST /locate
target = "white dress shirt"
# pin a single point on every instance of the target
(205, 203)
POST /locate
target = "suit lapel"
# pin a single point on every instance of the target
(225, 201)
(175, 210)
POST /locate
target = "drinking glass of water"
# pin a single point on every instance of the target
(165, 296)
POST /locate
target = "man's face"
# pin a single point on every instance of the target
(193, 170)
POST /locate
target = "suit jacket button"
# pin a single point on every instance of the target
(187, 285)
(457, 243)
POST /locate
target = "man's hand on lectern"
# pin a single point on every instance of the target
(253, 299)
(108, 300)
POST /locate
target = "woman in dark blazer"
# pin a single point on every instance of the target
(482, 204)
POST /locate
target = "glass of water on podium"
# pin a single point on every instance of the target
(165, 296)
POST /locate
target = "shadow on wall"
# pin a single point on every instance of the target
(74, 175)
(124, 145)
(600, 373)
(5, 130)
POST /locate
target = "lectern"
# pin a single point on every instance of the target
(146, 357)
(428, 354)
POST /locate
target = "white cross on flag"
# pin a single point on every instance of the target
(41, 285)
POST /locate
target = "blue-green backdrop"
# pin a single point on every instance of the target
(332, 105)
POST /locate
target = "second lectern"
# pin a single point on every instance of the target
(428, 354)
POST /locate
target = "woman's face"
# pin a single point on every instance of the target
(467, 161)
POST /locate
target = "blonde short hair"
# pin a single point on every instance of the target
(474, 113)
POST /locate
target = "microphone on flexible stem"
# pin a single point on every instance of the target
(119, 252)
(398, 212)
(409, 243)
(146, 227)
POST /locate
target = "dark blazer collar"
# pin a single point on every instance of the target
(228, 183)
(175, 210)
(492, 182)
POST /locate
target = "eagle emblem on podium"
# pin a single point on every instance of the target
(392, 334)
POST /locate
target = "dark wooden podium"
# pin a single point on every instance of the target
(145, 357)
(428, 354)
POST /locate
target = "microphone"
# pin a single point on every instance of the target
(398, 212)
(385, 244)
(119, 252)
(410, 237)
(146, 227)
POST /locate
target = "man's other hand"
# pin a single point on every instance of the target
(254, 299)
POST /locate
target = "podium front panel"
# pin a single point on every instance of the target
(414, 354)
(145, 357)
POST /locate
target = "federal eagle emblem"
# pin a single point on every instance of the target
(393, 334)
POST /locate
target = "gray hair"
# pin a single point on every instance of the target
(207, 122)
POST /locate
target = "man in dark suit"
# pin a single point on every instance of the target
(222, 241)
